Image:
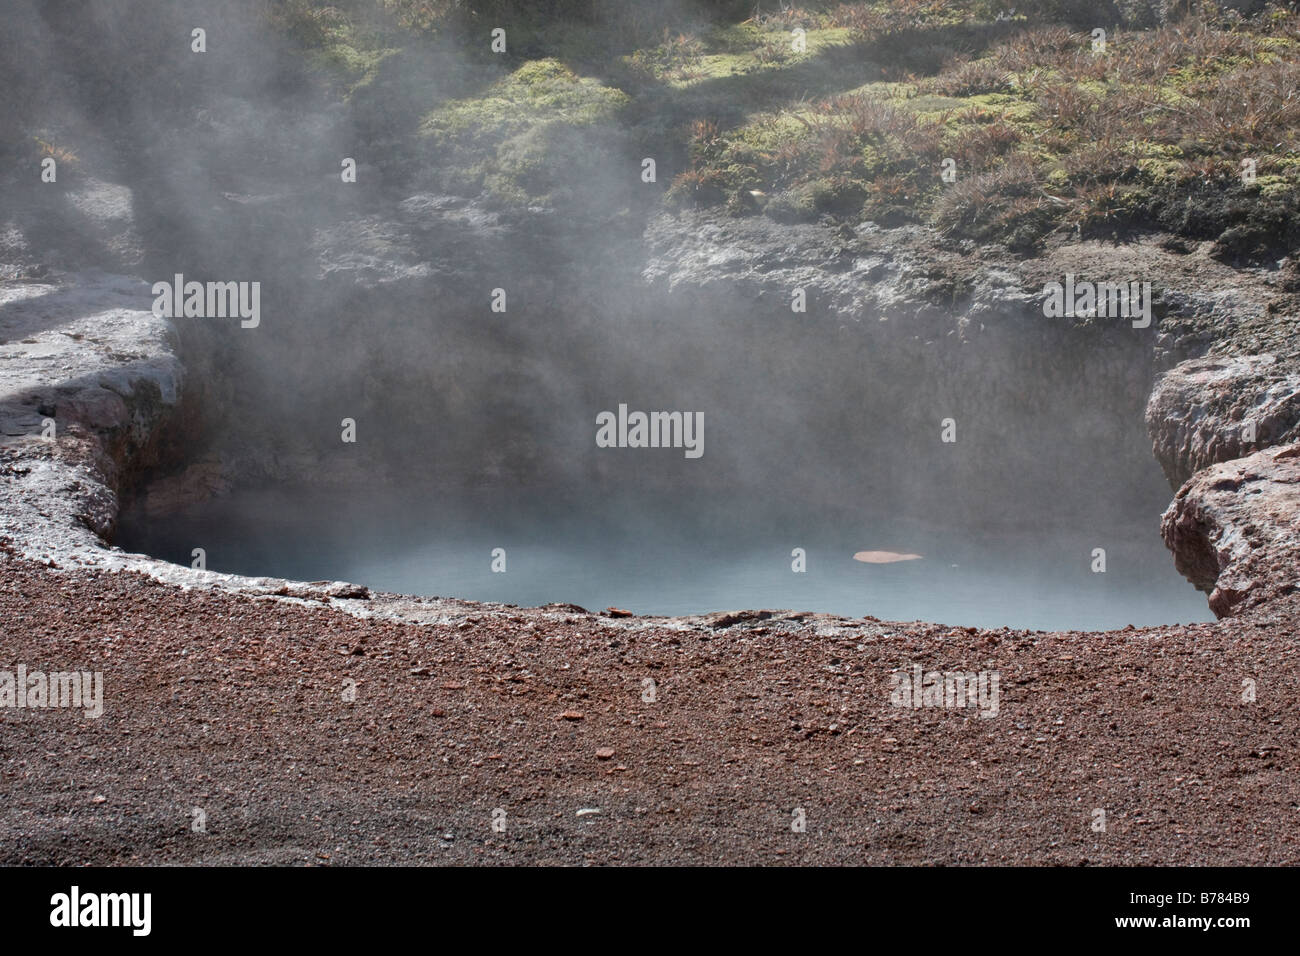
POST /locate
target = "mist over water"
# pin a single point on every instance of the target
(662, 553)
(477, 429)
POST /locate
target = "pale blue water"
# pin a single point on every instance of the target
(675, 555)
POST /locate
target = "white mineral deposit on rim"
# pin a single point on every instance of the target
(884, 557)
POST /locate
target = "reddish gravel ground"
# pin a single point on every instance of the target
(235, 705)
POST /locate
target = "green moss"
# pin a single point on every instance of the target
(346, 48)
(1057, 180)
(1277, 187)
(1162, 170)
(743, 49)
(358, 67)
(980, 107)
(526, 133)
(538, 93)
(935, 105)
(856, 122)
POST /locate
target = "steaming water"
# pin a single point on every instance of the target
(680, 554)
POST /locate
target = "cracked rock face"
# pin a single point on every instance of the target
(1211, 410)
(86, 357)
(1234, 529)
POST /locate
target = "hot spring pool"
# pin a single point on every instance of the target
(685, 554)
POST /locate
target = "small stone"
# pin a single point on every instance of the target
(573, 715)
(99, 798)
(605, 753)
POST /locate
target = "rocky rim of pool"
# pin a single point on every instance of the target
(355, 691)
(85, 353)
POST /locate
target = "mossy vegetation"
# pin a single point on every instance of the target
(1184, 120)
(526, 135)
(745, 49)
(537, 93)
(1043, 133)
(346, 42)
